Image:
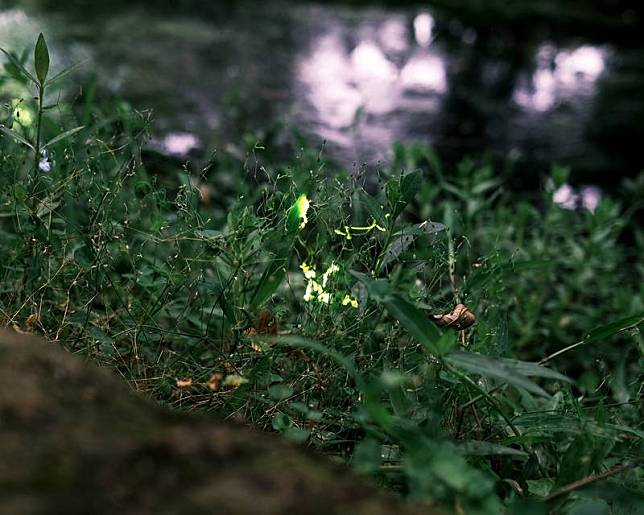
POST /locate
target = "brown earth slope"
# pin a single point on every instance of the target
(74, 439)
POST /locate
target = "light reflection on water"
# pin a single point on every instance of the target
(353, 94)
(360, 79)
(561, 74)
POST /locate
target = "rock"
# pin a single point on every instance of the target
(74, 439)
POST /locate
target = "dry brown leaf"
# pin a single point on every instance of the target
(460, 318)
(184, 383)
(31, 322)
(214, 381)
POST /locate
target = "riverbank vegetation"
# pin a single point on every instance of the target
(303, 299)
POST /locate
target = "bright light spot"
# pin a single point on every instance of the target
(590, 197)
(423, 29)
(585, 60)
(348, 299)
(326, 75)
(309, 273)
(353, 94)
(331, 270)
(425, 72)
(370, 62)
(565, 197)
(560, 75)
(302, 207)
(44, 165)
(180, 143)
(22, 114)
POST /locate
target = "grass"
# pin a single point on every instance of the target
(298, 298)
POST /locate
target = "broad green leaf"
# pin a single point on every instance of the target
(539, 487)
(605, 331)
(414, 321)
(19, 192)
(63, 135)
(372, 206)
(269, 282)
(280, 391)
(41, 59)
(65, 72)
(367, 456)
(13, 134)
(409, 186)
(410, 317)
(525, 368)
(401, 190)
(19, 66)
(297, 214)
(548, 424)
(492, 368)
(589, 507)
(378, 289)
(401, 240)
(480, 448)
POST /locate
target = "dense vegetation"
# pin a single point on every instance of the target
(299, 298)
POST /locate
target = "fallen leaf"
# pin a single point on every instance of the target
(214, 381)
(184, 383)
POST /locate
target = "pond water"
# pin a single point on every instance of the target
(358, 78)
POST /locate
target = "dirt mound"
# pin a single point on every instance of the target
(74, 439)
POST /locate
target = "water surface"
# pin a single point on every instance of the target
(358, 79)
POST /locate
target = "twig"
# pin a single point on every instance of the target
(581, 483)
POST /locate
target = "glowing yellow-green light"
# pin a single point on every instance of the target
(348, 299)
(359, 229)
(301, 208)
(22, 114)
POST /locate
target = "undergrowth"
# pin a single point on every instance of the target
(300, 299)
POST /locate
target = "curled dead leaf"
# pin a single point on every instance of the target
(460, 318)
(184, 383)
(31, 322)
(215, 381)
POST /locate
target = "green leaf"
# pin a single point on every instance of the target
(480, 448)
(16, 136)
(280, 391)
(493, 368)
(281, 421)
(605, 331)
(589, 507)
(414, 321)
(401, 190)
(18, 65)
(41, 59)
(19, 192)
(539, 487)
(525, 368)
(401, 240)
(549, 424)
(65, 72)
(366, 457)
(410, 317)
(409, 186)
(63, 135)
(269, 282)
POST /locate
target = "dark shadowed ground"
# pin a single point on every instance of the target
(75, 440)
